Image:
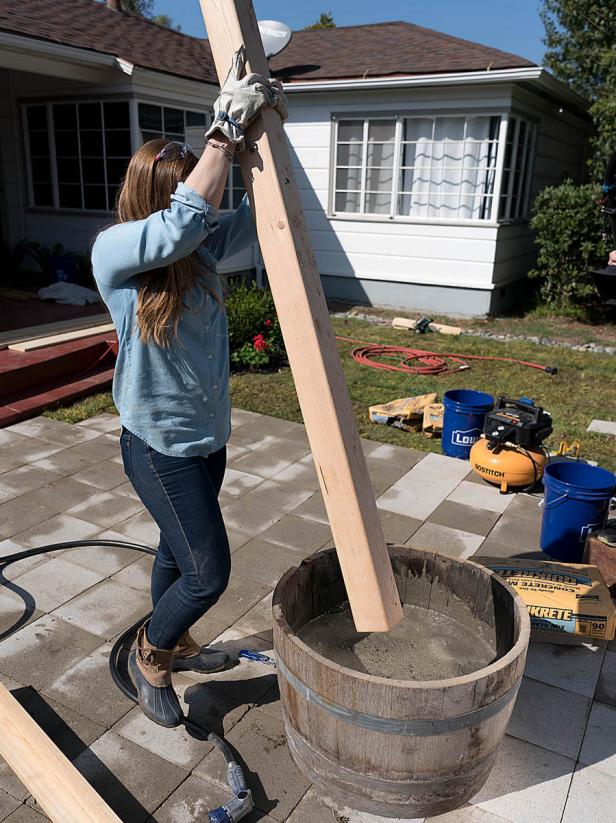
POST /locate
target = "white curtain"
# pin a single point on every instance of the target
(448, 167)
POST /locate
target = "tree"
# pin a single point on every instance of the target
(325, 21)
(166, 21)
(580, 36)
(145, 8)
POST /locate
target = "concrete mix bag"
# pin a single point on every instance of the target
(563, 599)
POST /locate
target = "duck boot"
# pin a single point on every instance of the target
(150, 669)
(189, 656)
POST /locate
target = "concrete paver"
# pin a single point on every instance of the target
(56, 581)
(277, 785)
(262, 507)
(25, 479)
(105, 509)
(53, 431)
(301, 534)
(264, 562)
(467, 518)
(481, 497)
(20, 513)
(8, 804)
(192, 801)
(606, 687)
(106, 475)
(105, 609)
(591, 796)
(277, 455)
(87, 684)
(549, 717)
(60, 482)
(574, 668)
(599, 745)
(314, 806)
(442, 538)
(132, 780)
(24, 814)
(59, 529)
(527, 784)
(38, 653)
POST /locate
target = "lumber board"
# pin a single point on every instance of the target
(64, 337)
(311, 347)
(62, 792)
(407, 323)
(47, 329)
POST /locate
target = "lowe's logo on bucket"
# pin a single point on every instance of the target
(466, 437)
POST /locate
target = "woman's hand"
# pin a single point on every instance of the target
(242, 100)
(612, 260)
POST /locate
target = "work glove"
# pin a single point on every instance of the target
(241, 101)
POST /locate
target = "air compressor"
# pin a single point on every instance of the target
(509, 453)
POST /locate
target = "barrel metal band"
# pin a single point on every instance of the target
(414, 728)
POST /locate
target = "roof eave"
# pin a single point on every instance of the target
(533, 74)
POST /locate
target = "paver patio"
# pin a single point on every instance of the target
(63, 482)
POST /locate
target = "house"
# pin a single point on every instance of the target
(417, 154)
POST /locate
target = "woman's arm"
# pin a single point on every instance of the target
(127, 249)
(209, 176)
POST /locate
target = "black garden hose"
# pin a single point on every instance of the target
(240, 804)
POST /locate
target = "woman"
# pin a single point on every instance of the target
(155, 270)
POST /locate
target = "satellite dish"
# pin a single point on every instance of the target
(275, 36)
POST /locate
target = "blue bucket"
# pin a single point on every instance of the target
(577, 499)
(465, 412)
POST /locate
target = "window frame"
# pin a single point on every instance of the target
(399, 116)
(162, 106)
(53, 158)
(527, 167)
(136, 138)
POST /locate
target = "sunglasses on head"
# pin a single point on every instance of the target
(174, 151)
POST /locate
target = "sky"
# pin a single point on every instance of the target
(510, 26)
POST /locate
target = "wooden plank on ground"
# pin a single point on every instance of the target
(65, 337)
(296, 287)
(63, 793)
(47, 329)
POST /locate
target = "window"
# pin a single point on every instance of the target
(172, 124)
(78, 153)
(234, 190)
(448, 167)
(516, 169)
(418, 167)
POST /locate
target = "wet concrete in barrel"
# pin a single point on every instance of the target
(425, 645)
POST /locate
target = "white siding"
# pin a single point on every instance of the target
(559, 153)
(381, 249)
(429, 253)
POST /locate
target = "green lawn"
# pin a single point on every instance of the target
(583, 389)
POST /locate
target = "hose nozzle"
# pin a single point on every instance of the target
(237, 808)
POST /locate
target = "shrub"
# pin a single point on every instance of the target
(255, 340)
(568, 225)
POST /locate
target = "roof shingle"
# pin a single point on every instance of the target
(378, 50)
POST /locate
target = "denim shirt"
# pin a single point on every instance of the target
(176, 399)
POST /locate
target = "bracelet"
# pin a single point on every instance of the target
(227, 152)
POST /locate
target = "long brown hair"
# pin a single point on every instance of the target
(147, 188)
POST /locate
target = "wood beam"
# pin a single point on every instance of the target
(62, 792)
(302, 311)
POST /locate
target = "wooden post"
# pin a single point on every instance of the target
(63, 793)
(296, 287)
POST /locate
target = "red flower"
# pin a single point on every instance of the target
(259, 342)
(268, 323)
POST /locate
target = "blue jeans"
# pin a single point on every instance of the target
(193, 563)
